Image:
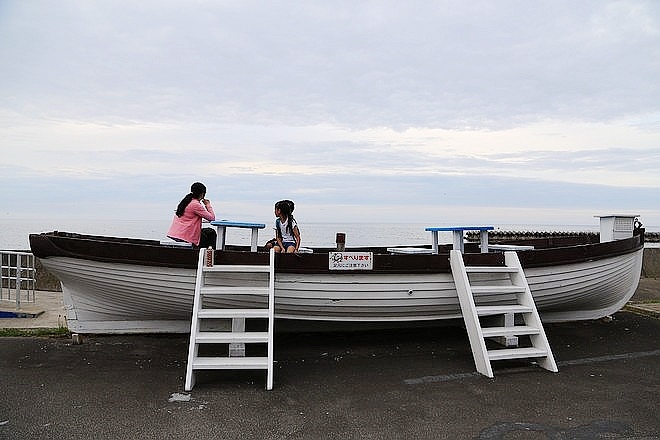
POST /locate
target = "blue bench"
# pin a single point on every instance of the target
(457, 233)
(222, 225)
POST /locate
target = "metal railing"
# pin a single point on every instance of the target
(17, 275)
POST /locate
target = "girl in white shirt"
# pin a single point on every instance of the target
(286, 228)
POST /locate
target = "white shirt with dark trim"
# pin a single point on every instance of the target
(284, 230)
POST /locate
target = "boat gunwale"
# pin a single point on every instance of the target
(153, 253)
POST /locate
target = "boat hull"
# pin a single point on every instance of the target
(113, 297)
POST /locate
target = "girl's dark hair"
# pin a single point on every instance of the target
(286, 207)
(196, 190)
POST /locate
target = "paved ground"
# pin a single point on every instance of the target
(400, 384)
(414, 383)
(47, 309)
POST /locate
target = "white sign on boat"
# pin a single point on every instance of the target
(351, 261)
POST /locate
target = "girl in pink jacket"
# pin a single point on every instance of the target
(187, 222)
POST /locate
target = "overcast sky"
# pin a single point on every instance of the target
(441, 111)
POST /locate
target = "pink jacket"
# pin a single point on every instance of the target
(188, 227)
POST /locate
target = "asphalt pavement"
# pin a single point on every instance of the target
(373, 384)
(386, 384)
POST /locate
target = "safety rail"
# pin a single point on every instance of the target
(18, 275)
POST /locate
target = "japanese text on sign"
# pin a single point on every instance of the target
(351, 261)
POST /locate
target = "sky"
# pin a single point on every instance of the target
(447, 112)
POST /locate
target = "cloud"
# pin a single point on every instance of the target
(354, 104)
(425, 64)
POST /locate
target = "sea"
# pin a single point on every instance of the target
(14, 233)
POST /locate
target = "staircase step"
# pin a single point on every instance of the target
(230, 363)
(516, 330)
(497, 289)
(233, 290)
(232, 313)
(498, 310)
(231, 337)
(516, 353)
(491, 269)
(236, 268)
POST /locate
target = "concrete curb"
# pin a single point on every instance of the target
(651, 309)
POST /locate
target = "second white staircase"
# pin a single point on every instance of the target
(494, 282)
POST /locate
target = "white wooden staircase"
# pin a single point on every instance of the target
(207, 271)
(507, 281)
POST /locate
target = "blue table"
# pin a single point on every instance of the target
(458, 236)
(222, 225)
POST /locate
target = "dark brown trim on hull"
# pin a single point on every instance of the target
(152, 253)
(111, 250)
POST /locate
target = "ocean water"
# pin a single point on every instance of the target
(14, 232)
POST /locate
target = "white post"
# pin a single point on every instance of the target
(483, 235)
(458, 241)
(18, 281)
(220, 239)
(255, 239)
(434, 238)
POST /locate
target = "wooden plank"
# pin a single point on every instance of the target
(233, 290)
(232, 313)
(497, 310)
(230, 363)
(490, 269)
(236, 268)
(231, 337)
(497, 289)
(516, 353)
(517, 330)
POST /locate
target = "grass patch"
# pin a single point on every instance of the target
(57, 332)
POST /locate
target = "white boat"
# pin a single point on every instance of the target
(120, 285)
